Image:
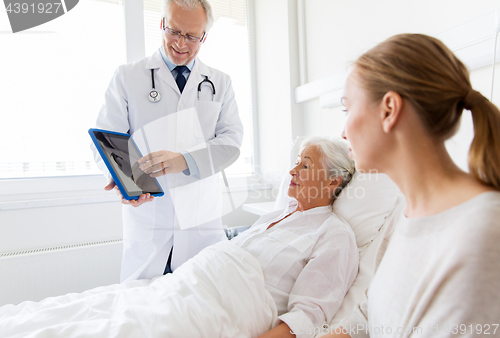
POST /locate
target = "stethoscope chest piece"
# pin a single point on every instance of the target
(154, 96)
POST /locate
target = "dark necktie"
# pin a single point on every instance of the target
(181, 80)
(168, 269)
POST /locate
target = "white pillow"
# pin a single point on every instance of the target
(367, 264)
(365, 203)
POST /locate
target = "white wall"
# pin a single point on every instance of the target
(352, 27)
(336, 33)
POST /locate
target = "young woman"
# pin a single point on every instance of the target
(440, 275)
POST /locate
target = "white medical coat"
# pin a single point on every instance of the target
(149, 231)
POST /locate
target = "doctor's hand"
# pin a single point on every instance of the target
(144, 198)
(163, 162)
(111, 185)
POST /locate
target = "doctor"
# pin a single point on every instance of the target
(183, 114)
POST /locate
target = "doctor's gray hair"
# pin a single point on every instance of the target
(335, 159)
(191, 5)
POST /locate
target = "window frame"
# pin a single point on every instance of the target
(14, 192)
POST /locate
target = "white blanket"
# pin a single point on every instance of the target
(218, 293)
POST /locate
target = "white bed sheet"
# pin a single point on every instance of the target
(218, 293)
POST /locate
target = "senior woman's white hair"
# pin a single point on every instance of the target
(191, 5)
(335, 159)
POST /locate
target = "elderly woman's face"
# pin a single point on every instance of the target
(310, 184)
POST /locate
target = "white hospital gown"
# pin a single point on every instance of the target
(309, 261)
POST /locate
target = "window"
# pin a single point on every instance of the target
(53, 81)
(227, 49)
(54, 77)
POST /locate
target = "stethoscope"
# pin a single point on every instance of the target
(154, 95)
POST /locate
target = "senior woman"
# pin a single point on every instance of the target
(307, 253)
(285, 276)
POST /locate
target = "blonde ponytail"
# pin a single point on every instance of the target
(484, 152)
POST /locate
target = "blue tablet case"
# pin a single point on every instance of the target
(114, 149)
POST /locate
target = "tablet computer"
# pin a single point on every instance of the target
(120, 154)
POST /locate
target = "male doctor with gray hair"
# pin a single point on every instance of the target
(183, 115)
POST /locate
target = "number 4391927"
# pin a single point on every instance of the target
(47, 8)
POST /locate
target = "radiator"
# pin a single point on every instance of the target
(38, 274)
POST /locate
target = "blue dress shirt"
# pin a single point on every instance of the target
(192, 167)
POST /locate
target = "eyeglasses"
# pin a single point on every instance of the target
(176, 35)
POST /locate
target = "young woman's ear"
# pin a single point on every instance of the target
(391, 105)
